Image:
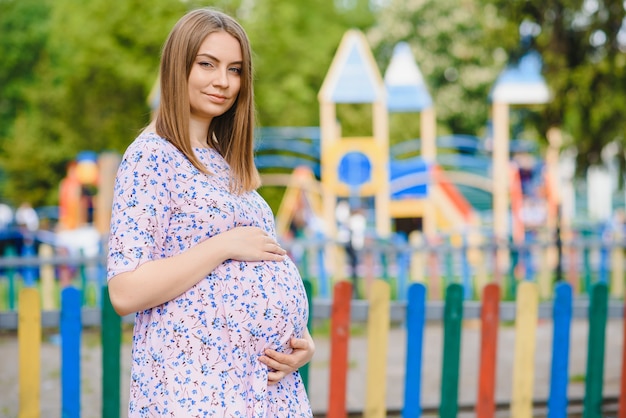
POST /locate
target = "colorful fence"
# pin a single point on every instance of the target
(29, 335)
(453, 282)
(525, 327)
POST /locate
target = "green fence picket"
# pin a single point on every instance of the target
(452, 323)
(111, 332)
(304, 370)
(598, 310)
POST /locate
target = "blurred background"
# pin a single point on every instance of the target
(75, 76)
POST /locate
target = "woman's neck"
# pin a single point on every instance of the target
(198, 133)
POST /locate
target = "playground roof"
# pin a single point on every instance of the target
(406, 90)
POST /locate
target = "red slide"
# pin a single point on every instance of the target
(460, 202)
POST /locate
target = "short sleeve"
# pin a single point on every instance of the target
(140, 210)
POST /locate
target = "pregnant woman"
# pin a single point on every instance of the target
(221, 312)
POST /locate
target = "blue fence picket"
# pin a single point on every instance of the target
(29, 273)
(415, 320)
(466, 276)
(562, 314)
(322, 275)
(71, 329)
(403, 261)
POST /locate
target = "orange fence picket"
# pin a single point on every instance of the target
(490, 321)
(340, 335)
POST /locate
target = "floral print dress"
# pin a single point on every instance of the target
(197, 355)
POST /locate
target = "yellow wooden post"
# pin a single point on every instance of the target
(46, 275)
(108, 163)
(545, 266)
(29, 342)
(500, 177)
(340, 261)
(527, 307)
(418, 258)
(329, 136)
(377, 340)
(382, 195)
(617, 264)
(478, 260)
(428, 131)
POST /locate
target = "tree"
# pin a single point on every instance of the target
(294, 43)
(23, 24)
(88, 90)
(583, 44)
(459, 62)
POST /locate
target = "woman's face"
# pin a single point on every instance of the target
(215, 77)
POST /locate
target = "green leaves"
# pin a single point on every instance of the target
(76, 75)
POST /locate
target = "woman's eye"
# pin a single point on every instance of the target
(205, 64)
(236, 70)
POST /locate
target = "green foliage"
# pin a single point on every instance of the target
(294, 43)
(585, 67)
(449, 42)
(76, 75)
(88, 89)
(23, 24)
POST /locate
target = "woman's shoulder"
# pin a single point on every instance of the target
(150, 143)
(149, 140)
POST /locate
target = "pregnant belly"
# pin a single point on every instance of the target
(260, 304)
(209, 338)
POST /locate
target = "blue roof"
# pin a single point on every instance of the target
(522, 83)
(355, 83)
(407, 99)
(406, 90)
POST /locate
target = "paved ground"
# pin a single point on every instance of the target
(357, 376)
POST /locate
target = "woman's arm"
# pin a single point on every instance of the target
(282, 364)
(156, 282)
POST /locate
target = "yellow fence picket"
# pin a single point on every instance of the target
(46, 273)
(377, 340)
(29, 340)
(526, 315)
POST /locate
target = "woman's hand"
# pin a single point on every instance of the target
(250, 243)
(281, 364)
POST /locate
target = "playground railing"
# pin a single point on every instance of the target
(582, 260)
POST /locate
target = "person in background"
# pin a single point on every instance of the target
(220, 310)
(26, 217)
(6, 216)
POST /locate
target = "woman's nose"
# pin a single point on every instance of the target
(221, 78)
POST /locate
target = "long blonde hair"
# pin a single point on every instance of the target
(234, 130)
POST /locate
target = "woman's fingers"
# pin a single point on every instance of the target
(281, 364)
(299, 344)
(276, 370)
(277, 249)
(274, 377)
(277, 361)
(254, 244)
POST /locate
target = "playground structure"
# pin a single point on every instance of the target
(365, 167)
(407, 187)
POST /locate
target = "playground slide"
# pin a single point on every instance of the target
(517, 202)
(454, 212)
